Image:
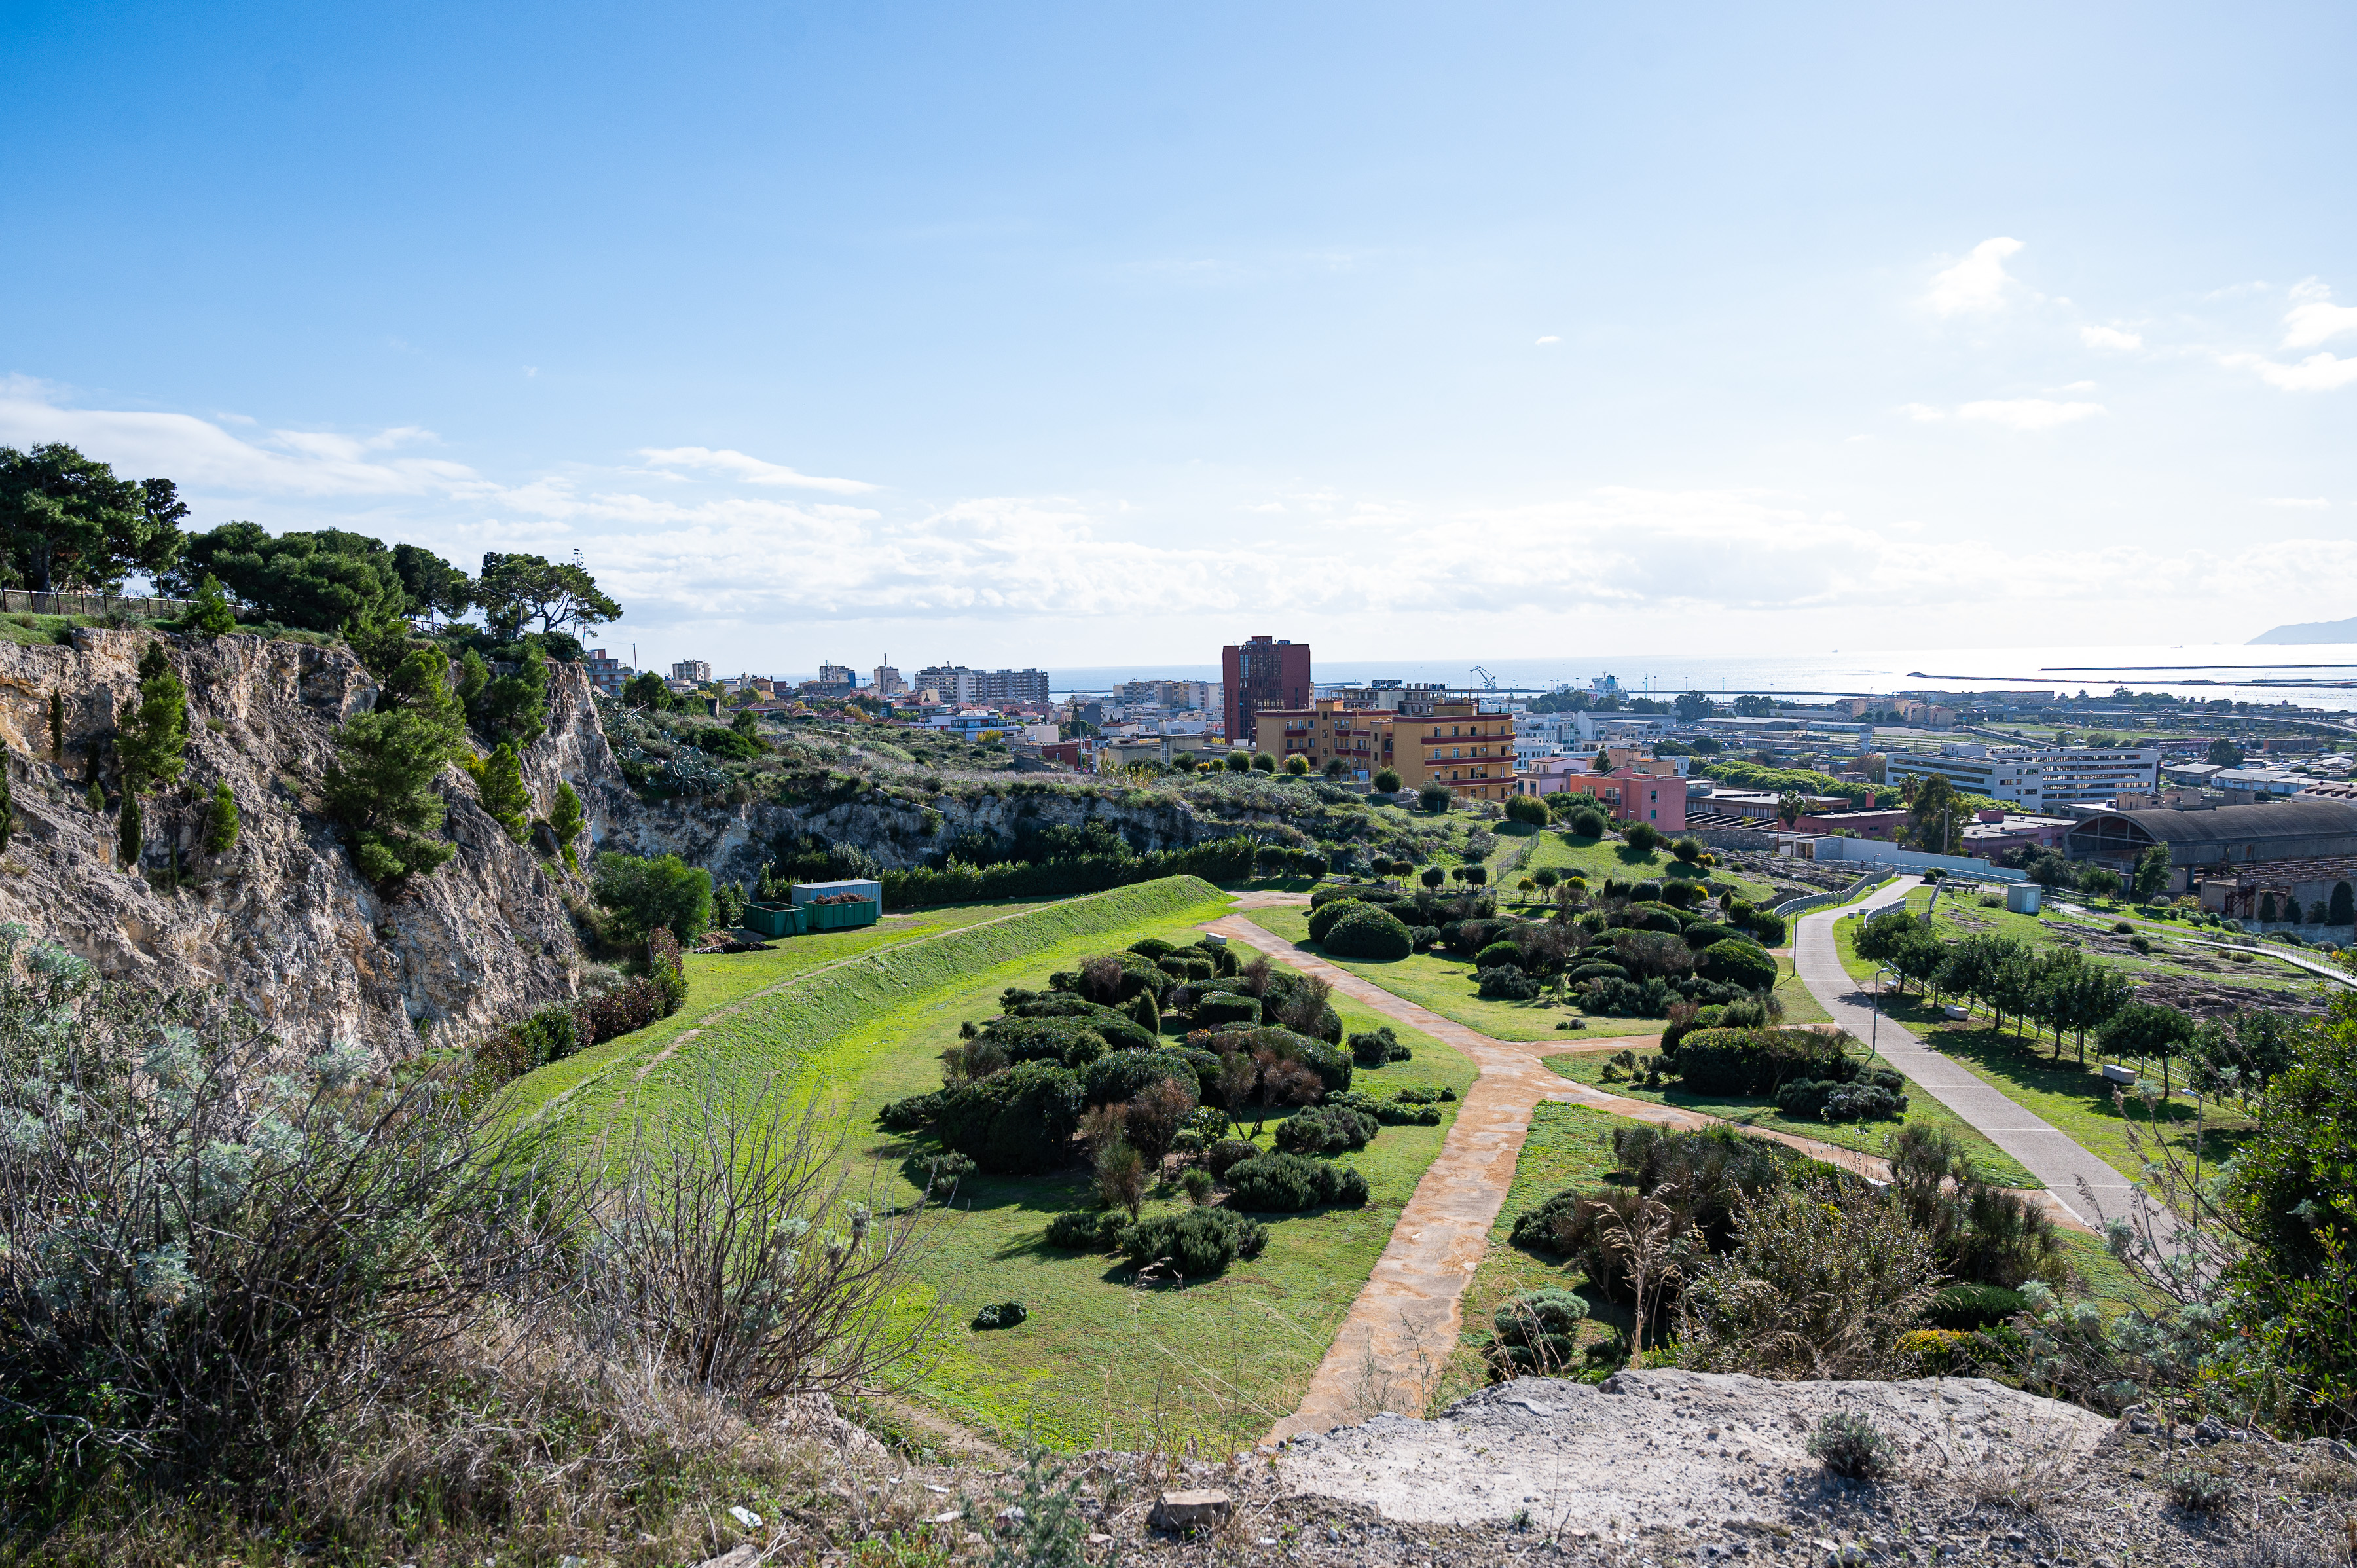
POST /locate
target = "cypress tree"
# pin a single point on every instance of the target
(57, 726)
(96, 798)
(220, 825)
(131, 832)
(499, 784)
(7, 808)
(567, 820)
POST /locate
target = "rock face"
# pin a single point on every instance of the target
(285, 924)
(1658, 1448)
(282, 921)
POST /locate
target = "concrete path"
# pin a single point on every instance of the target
(2051, 1155)
(1403, 1325)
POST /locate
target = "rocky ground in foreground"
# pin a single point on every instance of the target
(1656, 1468)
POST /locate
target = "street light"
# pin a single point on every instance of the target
(1874, 1030)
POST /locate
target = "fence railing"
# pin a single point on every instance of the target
(1791, 907)
(29, 601)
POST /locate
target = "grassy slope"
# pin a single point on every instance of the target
(1444, 982)
(1596, 859)
(1922, 1111)
(1098, 1359)
(2073, 1098)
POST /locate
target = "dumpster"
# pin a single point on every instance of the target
(838, 905)
(775, 920)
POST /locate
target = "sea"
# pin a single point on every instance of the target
(2320, 676)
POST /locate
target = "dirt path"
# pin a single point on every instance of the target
(1406, 1321)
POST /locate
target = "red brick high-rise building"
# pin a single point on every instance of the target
(1259, 674)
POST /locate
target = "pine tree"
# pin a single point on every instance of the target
(381, 784)
(499, 785)
(212, 617)
(131, 832)
(96, 798)
(220, 825)
(155, 738)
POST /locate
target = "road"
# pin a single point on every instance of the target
(2052, 1155)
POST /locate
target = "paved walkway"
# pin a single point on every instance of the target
(2051, 1155)
(1405, 1323)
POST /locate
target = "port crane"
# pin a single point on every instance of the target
(1488, 682)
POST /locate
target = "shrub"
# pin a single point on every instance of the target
(1852, 1446)
(1395, 1112)
(998, 1315)
(1642, 837)
(1597, 968)
(1588, 822)
(1286, 1184)
(1196, 1183)
(1324, 1130)
(643, 894)
(1387, 781)
(1019, 1120)
(221, 821)
(1527, 809)
(1969, 1306)
(1506, 983)
(1756, 1063)
(1197, 1242)
(2198, 1492)
(1433, 797)
(1738, 963)
(1370, 932)
(1329, 1063)
(1067, 1042)
(1230, 1153)
(1227, 1010)
(1322, 916)
(1703, 935)
(1373, 1049)
(908, 1115)
(1498, 953)
(1537, 1332)
(1086, 1230)
(1652, 953)
(1118, 1076)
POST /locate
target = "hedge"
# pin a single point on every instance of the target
(1371, 932)
(1067, 1042)
(1756, 1063)
(1324, 1130)
(1224, 860)
(1122, 1074)
(1736, 963)
(1331, 1064)
(1286, 1184)
(1197, 1242)
(1019, 1120)
(1222, 1010)
(1497, 954)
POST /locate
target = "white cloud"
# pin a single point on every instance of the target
(1922, 411)
(2109, 338)
(2318, 373)
(2028, 412)
(1550, 339)
(2303, 502)
(1976, 284)
(201, 454)
(747, 470)
(2313, 318)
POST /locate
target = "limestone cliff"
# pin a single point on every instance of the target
(282, 921)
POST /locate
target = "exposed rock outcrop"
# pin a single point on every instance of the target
(282, 921)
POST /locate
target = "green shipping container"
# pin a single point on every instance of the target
(776, 919)
(840, 917)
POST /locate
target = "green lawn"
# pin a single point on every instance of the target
(2072, 1097)
(1444, 982)
(1993, 1163)
(1100, 1361)
(1596, 859)
(1956, 918)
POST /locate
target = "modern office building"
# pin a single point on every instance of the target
(1259, 675)
(2037, 777)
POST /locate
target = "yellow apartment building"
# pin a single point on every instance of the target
(1456, 744)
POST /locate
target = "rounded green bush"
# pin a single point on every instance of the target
(1497, 954)
(1120, 1074)
(1370, 931)
(1019, 1120)
(1225, 1010)
(1527, 809)
(1286, 1184)
(1197, 1242)
(1388, 781)
(1323, 913)
(1736, 963)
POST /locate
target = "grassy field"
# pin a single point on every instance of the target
(1100, 1361)
(1596, 859)
(1444, 982)
(1993, 1163)
(2074, 1098)
(2170, 960)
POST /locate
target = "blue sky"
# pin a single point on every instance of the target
(1100, 334)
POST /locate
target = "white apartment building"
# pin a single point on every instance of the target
(2036, 777)
(1180, 696)
(837, 675)
(889, 682)
(694, 671)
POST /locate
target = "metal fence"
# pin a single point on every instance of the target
(1791, 907)
(28, 601)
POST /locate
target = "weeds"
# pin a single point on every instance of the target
(1852, 1446)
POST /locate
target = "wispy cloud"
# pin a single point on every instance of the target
(1977, 285)
(2313, 318)
(1922, 410)
(2303, 503)
(2318, 372)
(2109, 338)
(2028, 412)
(748, 470)
(1550, 337)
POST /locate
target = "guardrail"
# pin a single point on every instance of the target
(1791, 907)
(30, 601)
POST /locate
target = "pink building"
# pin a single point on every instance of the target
(1624, 794)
